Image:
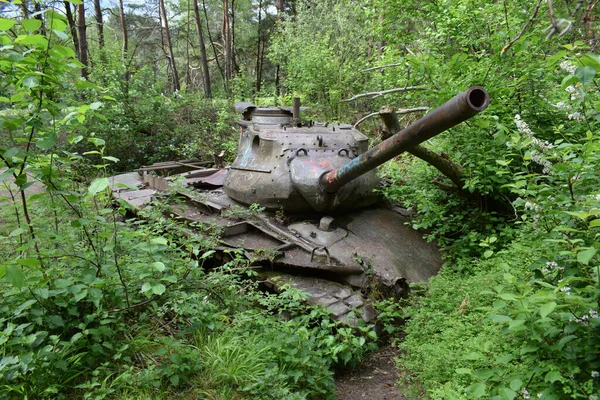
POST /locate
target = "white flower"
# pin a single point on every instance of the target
(565, 289)
(525, 394)
(595, 374)
(575, 116)
(567, 66)
(540, 395)
(594, 314)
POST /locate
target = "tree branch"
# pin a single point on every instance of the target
(378, 94)
(381, 67)
(535, 11)
(400, 111)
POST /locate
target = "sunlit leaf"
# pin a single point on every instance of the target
(31, 24)
(586, 74)
(14, 276)
(46, 142)
(158, 289)
(585, 256)
(31, 81)
(547, 308)
(98, 185)
(6, 24)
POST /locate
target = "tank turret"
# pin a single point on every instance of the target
(283, 162)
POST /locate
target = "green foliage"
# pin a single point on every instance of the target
(527, 324)
(323, 49)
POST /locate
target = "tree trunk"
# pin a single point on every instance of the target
(39, 16)
(258, 49)
(83, 49)
(280, 6)
(235, 68)
(72, 27)
(99, 23)
(170, 53)
(212, 43)
(205, 72)
(226, 43)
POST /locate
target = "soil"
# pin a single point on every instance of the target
(374, 379)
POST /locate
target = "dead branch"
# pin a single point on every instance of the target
(400, 111)
(533, 15)
(366, 117)
(441, 162)
(384, 92)
(450, 169)
(381, 67)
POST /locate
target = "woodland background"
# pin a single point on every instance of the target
(96, 306)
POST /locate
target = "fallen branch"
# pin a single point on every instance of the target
(384, 92)
(400, 111)
(441, 162)
(450, 169)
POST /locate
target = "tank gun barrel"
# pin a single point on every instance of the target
(456, 110)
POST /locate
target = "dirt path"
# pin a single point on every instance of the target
(37, 187)
(373, 379)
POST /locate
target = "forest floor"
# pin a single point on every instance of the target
(374, 379)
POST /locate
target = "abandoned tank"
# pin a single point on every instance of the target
(300, 199)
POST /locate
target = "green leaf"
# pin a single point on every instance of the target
(547, 308)
(500, 318)
(552, 376)
(31, 82)
(476, 390)
(34, 40)
(17, 232)
(488, 254)
(159, 266)
(207, 254)
(21, 180)
(159, 240)
(507, 296)
(96, 105)
(29, 262)
(97, 141)
(46, 142)
(146, 286)
(569, 80)
(110, 158)
(14, 276)
(464, 371)
(6, 24)
(98, 185)
(159, 288)
(64, 50)
(595, 223)
(516, 384)
(60, 34)
(507, 393)
(75, 139)
(586, 74)
(585, 256)
(4, 99)
(31, 24)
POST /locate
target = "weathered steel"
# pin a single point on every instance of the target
(283, 163)
(458, 109)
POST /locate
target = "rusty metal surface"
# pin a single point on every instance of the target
(456, 110)
(215, 179)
